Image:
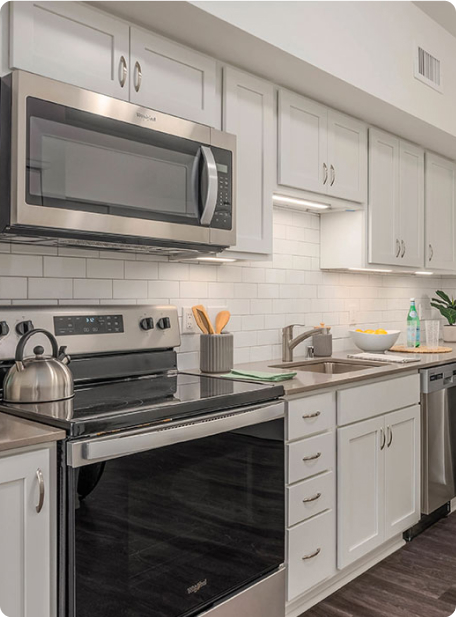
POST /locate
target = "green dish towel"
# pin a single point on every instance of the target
(259, 376)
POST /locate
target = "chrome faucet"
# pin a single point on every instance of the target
(289, 343)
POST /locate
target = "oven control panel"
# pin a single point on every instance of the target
(90, 329)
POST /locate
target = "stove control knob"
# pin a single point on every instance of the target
(147, 323)
(23, 327)
(164, 323)
(4, 328)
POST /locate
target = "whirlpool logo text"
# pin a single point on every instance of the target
(197, 586)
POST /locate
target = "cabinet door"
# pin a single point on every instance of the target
(361, 490)
(25, 540)
(302, 143)
(72, 43)
(248, 113)
(402, 499)
(383, 208)
(172, 78)
(347, 157)
(440, 213)
(411, 204)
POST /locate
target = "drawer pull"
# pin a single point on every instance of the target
(312, 457)
(312, 555)
(314, 498)
(311, 415)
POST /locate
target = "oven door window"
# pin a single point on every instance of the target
(86, 162)
(171, 531)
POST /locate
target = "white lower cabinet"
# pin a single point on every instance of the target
(26, 561)
(378, 467)
(311, 553)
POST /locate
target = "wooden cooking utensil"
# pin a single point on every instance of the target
(221, 321)
(204, 317)
(199, 321)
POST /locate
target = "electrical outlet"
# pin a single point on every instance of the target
(188, 321)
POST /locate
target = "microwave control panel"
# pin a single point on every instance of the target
(223, 215)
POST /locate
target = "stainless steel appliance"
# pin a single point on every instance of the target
(171, 484)
(438, 436)
(81, 168)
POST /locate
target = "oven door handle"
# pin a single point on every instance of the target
(210, 202)
(89, 451)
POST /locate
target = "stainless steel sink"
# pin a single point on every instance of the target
(331, 366)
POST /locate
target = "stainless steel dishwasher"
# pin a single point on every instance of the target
(438, 403)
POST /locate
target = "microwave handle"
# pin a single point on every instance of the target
(212, 186)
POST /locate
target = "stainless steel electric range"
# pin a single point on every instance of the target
(171, 485)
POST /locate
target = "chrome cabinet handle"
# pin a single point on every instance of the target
(311, 415)
(403, 248)
(333, 175)
(325, 171)
(138, 76)
(122, 71)
(398, 248)
(383, 436)
(314, 498)
(312, 555)
(431, 252)
(312, 457)
(40, 478)
(390, 440)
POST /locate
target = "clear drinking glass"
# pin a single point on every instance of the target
(432, 327)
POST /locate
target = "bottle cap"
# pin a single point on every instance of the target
(412, 299)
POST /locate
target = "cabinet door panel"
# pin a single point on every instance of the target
(383, 209)
(25, 558)
(70, 42)
(440, 213)
(402, 470)
(347, 154)
(174, 79)
(361, 491)
(248, 113)
(411, 208)
(302, 143)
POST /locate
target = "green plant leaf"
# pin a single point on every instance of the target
(444, 297)
(448, 313)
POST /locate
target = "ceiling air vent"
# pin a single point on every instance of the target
(428, 69)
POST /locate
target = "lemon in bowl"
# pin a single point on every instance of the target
(374, 341)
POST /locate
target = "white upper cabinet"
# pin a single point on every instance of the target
(384, 235)
(396, 201)
(321, 150)
(440, 213)
(26, 561)
(411, 204)
(71, 42)
(171, 78)
(402, 475)
(248, 113)
(347, 157)
(302, 144)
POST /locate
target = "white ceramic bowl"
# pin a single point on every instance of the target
(375, 342)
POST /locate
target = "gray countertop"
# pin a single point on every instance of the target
(307, 381)
(19, 433)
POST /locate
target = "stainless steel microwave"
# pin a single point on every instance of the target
(78, 167)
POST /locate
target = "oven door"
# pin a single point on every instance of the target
(87, 163)
(170, 522)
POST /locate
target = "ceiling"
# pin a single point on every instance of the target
(444, 13)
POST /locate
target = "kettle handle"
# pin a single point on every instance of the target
(25, 338)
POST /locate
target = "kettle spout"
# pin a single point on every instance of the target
(63, 356)
(19, 366)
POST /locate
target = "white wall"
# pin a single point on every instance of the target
(369, 45)
(262, 297)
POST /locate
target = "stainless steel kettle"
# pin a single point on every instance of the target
(38, 379)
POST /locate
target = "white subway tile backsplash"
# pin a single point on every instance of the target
(12, 287)
(20, 265)
(194, 288)
(163, 289)
(129, 289)
(107, 268)
(147, 270)
(92, 288)
(50, 288)
(73, 267)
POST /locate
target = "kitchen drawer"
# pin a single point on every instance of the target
(311, 553)
(310, 415)
(311, 456)
(374, 399)
(311, 497)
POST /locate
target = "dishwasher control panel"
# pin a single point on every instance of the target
(438, 378)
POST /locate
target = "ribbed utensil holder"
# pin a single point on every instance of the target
(216, 353)
(322, 345)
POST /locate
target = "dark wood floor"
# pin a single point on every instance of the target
(417, 581)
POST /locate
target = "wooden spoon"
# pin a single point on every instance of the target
(199, 321)
(221, 321)
(204, 317)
